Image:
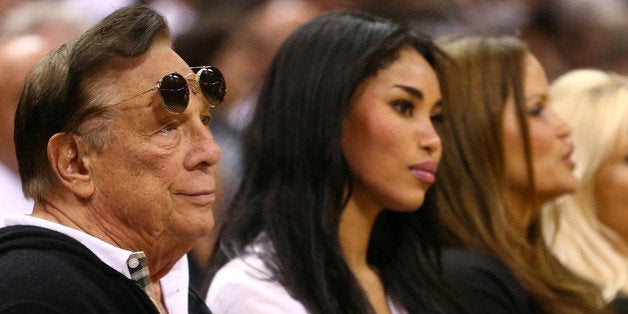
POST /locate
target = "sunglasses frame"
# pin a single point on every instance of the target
(196, 72)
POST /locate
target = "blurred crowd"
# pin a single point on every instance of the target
(241, 36)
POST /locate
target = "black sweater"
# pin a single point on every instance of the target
(43, 271)
(485, 283)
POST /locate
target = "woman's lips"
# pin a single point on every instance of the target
(570, 163)
(567, 158)
(425, 171)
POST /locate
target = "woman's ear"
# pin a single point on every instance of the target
(69, 166)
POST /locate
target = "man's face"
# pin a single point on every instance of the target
(154, 179)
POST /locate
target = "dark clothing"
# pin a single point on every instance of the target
(43, 271)
(620, 304)
(485, 284)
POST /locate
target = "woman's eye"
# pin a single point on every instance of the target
(536, 110)
(437, 115)
(403, 107)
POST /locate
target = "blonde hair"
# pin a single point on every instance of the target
(595, 103)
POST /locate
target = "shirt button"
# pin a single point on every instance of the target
(133, 262)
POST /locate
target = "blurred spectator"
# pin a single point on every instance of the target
(588, 230)
(180, 14)
(6, 5)
(247, 52)
(51, 19)
(17, 56)
(28, 31)
(95, 10)
(586, 33)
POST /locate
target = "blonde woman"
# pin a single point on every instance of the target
(588, 230)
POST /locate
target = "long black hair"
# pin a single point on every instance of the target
(296, 176)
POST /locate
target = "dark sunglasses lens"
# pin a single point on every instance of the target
(212, 84)
(174, 92)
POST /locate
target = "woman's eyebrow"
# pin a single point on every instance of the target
(411, 90)
(542, 97)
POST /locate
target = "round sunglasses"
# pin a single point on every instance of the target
(175, 93)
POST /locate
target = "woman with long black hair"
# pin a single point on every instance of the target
(335, 213)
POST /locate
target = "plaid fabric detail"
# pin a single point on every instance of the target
(138, 267)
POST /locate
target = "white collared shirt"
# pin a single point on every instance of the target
(174, 285)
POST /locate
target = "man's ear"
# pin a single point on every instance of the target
(69, 165)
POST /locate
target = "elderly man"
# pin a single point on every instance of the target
(113, 145)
